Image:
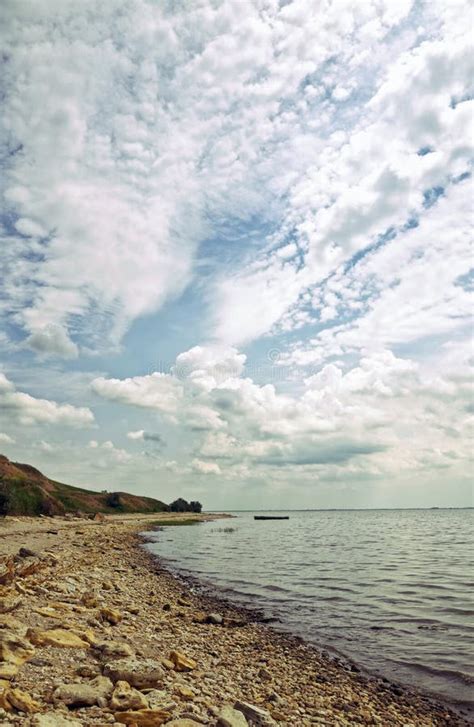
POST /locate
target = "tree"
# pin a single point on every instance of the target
(179, 505)
(4, 502)
(113, 500)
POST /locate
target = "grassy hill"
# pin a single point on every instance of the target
(26, 491)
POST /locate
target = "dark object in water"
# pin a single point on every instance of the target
(271, 517)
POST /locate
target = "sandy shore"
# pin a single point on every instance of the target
(93, 631)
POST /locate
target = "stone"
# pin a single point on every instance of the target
(21, 701)
(29, 567)
(182, 662)
(58, 638)
(8, 671)
(10, 623)
(264, 674)
(184, 692)
(167, 664)
(88, 670)
(27, 553)
(55, 719)
(140, 673)
(125, 697)
(90, 600)
(214, 618)
(84, 694)
(9, 601)
(7, 571)
(159, 699)
(255, 715)
(111, 615)
(143, 717)
(230, 717)
(14, 649)
(184, 723)
(49, 612)
(113, 649)
(5, 705)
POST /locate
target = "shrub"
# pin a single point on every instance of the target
(4, 503)
(181, 505)
(113, 500)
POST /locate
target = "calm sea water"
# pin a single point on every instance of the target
(391, 589)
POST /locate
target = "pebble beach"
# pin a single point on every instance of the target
(95, 631)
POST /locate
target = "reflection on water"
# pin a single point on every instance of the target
(390, 588)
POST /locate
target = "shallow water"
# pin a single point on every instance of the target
(391, 589)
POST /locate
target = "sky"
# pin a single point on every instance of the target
(236, 249)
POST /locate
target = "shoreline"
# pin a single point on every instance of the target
(211, 595)
(198, 655)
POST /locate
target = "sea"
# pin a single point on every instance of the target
(392, 590)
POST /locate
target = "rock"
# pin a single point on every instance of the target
(8, 671)
(230, 717)
(158, 699)
(255, 715)
(27, 553)
(88, 670)
(9, 601)
(55, 719)
(14, 649)
(84, 694)
(5, 705)
(111, 615)
(113, 649)
(182, 662)
(21, 701)
(7, 571)
(90, 600)
(183, 723)
(57, 638)
(140, 673)
(264, 674)
(143, 717)
(49, 612)
(29, 567)
(167, 664)
(10, 623)
(184, 692)
(125, 697)
(215, 618)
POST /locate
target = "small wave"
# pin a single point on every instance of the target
(461, 676)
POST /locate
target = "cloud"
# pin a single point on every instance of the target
(332, 452)
(158, 125)
(205, 468)
(345, 416)
(141, 435)
(52, 340)
(361, 190)
(6, 439)
(107, 452)
(27, 410)
(303, 172)
(154, 391)
(399, 293)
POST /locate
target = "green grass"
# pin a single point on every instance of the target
(168, 523)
